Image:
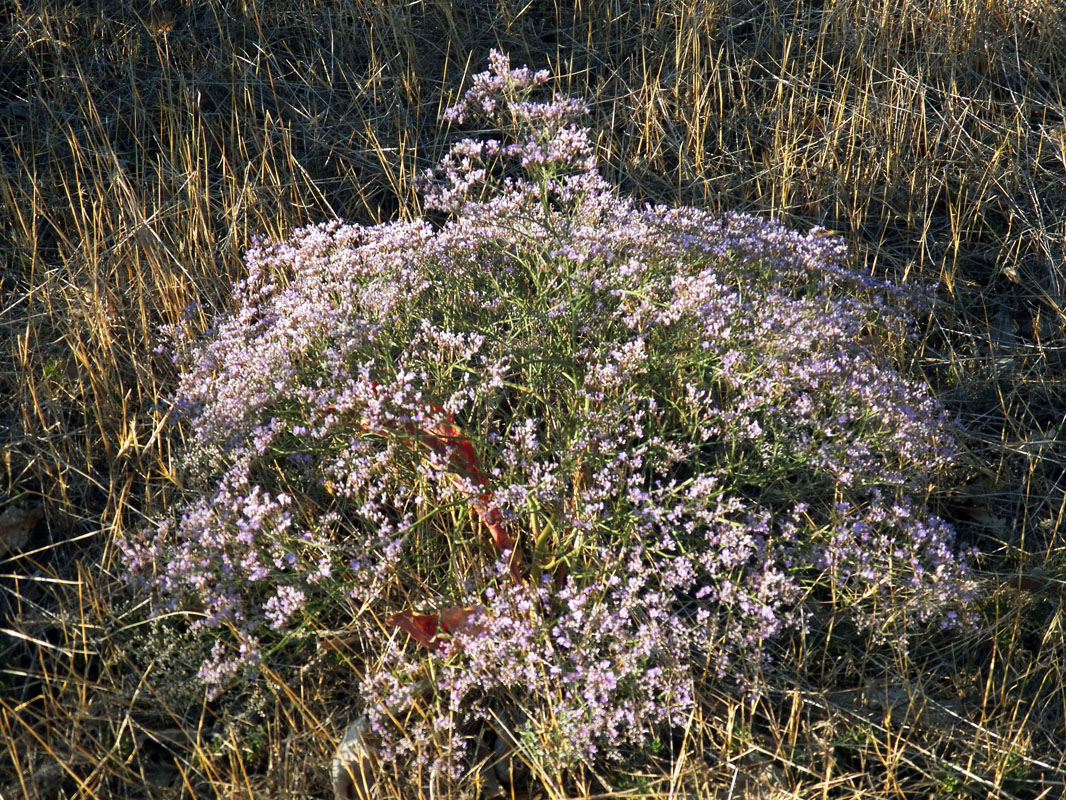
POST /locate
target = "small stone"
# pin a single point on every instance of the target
(15, 527)
(355, 764)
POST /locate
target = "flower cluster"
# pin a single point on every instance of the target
(613, 651)
(548, 150)
(683, 422)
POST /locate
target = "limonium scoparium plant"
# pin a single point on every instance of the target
(621, 445)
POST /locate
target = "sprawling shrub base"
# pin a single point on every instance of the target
(687, 423)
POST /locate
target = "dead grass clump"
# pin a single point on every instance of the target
(144, 145)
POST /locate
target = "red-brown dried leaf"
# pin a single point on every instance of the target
(421, 627)
(462, 620)
(445, 439)
(435, 630)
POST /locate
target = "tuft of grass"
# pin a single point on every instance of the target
(144, 145)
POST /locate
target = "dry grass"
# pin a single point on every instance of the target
(142, 147)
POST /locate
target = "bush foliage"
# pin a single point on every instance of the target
(679, 429)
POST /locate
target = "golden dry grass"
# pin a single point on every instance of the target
(143, 146)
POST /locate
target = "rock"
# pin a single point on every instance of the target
(356, 761)
(508, 765)
(355, 764)
(15, 527)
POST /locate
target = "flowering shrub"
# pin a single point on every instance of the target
(671, 425)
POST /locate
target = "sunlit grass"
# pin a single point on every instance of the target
(144, 147)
